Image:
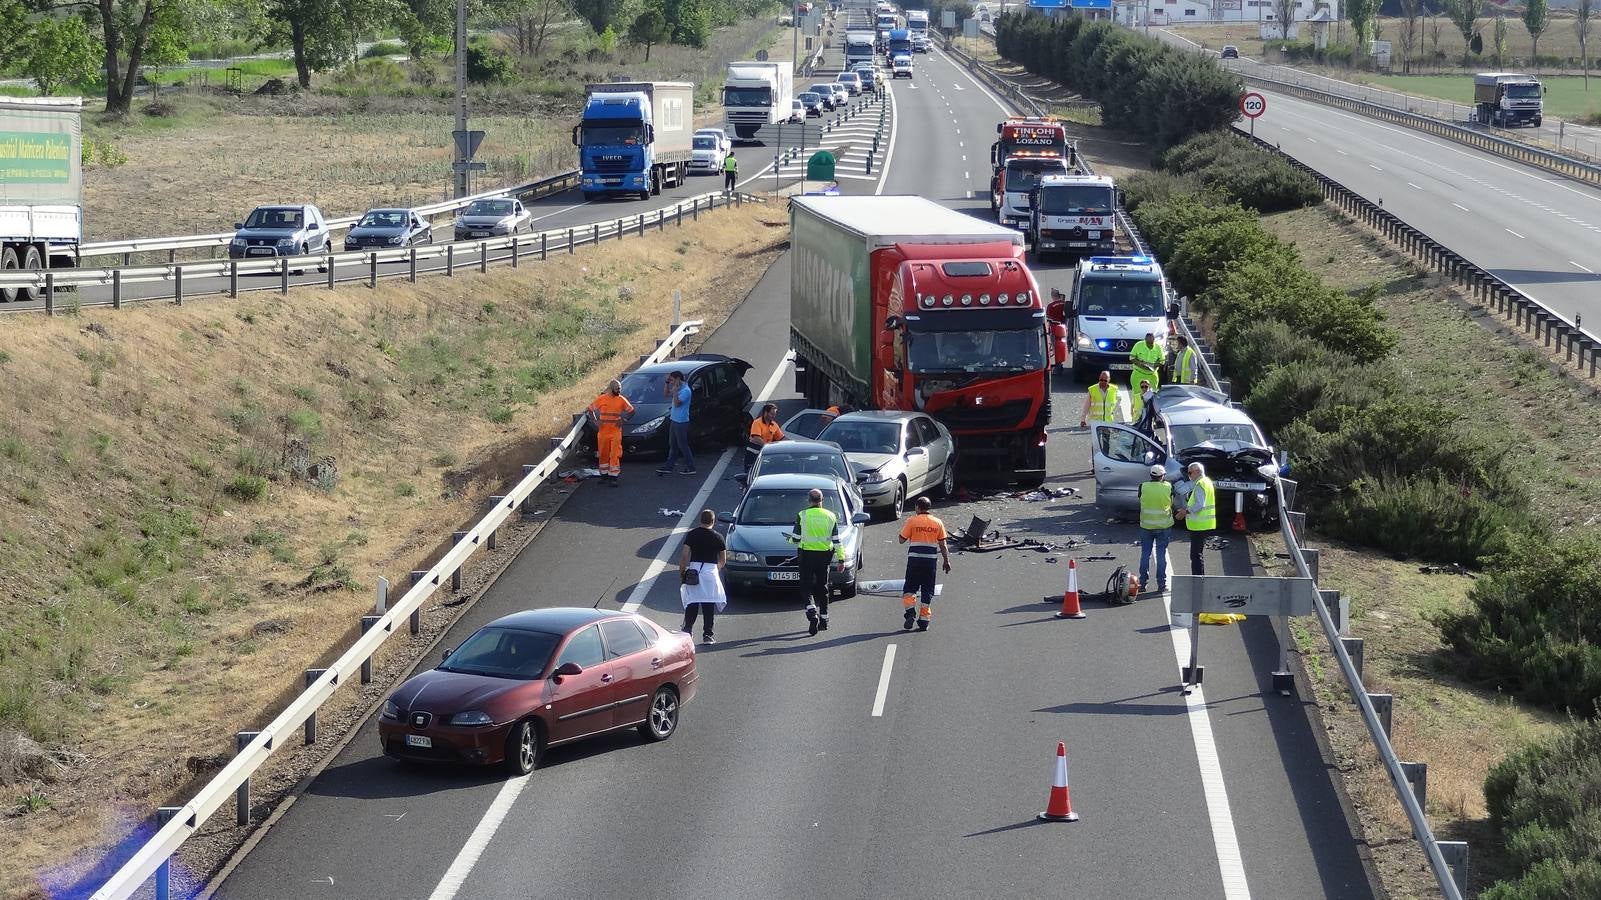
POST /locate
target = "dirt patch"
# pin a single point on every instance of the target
(200, 498)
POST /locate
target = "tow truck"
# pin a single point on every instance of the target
(1036, 137)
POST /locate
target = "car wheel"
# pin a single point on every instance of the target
(303, 251)
(663, 719)
(898, 506)
(524, 746)
(947, 484)
(741, 432)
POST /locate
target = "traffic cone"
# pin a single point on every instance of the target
(1239, 512)
(1060, 806)
(1070, 607)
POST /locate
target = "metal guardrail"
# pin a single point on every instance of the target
(533, 189)
(360, 265)
(1564, 337)
(255, 748)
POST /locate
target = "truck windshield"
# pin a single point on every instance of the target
(1019, 350)
(747, 96)
(1523, 91)
(1120, 298)
(1025, 176)
(1076, 199)
(604, 133)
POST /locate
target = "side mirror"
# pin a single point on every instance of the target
(650, 134)
(1150, 458)
(741, 478)
(727, 518)
(892, 323)
(576, 141)
(566, 670)
(445, 653)
(916, 451)
(860, 518)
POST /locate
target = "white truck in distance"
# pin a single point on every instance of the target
(756, 94)
(917, 24)
(41, 186)
(858, 48)
(1073, 214)
(1507, 100)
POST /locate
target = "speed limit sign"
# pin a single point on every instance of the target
(1253, 105)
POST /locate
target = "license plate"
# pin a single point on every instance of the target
(419, 740)
(783, 576)
(1077, 244)
(259, 251)
(480, 234)
(1125, 367)
(1240, 486)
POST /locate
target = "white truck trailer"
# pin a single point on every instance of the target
(756, 94)
(41, 186)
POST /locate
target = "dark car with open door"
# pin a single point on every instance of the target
(719, 407)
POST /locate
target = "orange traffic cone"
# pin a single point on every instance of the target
(1060, 806)
(1070, 607)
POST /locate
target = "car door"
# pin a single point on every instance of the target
(916, 457)
(318, 228)
(705, 416)
(737, 393)
(637, 665)
(939, 449)
(582, 704)
(1122, 459)
(419, 230)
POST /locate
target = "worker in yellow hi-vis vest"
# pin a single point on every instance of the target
(1147, 357)
(730, 172)
(1100, 402)
(817, 532)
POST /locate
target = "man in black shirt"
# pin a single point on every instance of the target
(704, 554)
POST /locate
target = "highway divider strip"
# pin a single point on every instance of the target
(175, 825)
(1568, 339)
(359, 265)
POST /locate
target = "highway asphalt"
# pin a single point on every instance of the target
(782, 782)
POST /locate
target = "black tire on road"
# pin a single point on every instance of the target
(947, 484)
(524, 746)
(31, 262)
(897, 507)
(663, 720)
(8, 263)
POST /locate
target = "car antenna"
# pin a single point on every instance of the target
(602, 595)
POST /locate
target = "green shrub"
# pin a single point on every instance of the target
(1258, 347)
(1165, 222)
(1277, 286)
(1545, 801)
(383, 49)
(1204, 252)
(246, 488)
(1155, 187)
(1533, 626)
(486, 64)
(1427, 517)
(1314, 388)
(1230, 165)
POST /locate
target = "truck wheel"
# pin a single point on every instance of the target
(590, 196)
(1536, 121)
(8, 263)
(656, 179)
(31, 262)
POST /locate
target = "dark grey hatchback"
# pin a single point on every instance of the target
(389, 228)
(294, 230)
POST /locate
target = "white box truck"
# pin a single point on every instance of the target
(41, 186)
(756, 94)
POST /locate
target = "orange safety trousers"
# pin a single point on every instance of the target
(609, 444)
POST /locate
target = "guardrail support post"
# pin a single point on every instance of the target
(527, 507)
(417, 575)
(516, 249)
(679, 214)
(494, 501)
(455, 575)
(1339, 610)
(1354, 648)
(570, 248)
(1297, 525)
(411, 265)
(450, 260)
(544, 246)
(1456, 856)
(50, 292)
(483, 256)
(311, 720)
(283, 275)
(172, 254)
(694, 209)
(163, 879)
(1417, 775)
(367, 622)
(233, 281)
(241, 794)
(177, 285)
(332, 275)
(1382, 704)
(1313, 559)
(372, 272)
(595, 232)
(116, 288)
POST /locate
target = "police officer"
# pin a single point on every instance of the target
(1156, 518)
(1100, 402)
(1147, 357)
(926, 534)
(1200, 515)
(817, 532)
(730, 170)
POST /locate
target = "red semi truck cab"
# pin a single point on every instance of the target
(1041, 138)
(900, 303)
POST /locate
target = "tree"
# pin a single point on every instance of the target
(1464, 14)
(322, 33)
(1536, 18)
(60, 51)
(1411, 21)
(532, 20)
(125, 29)
(1361, 14)
(1500, 41)
(649, 29)
(1582, 14)
(688, 21)
(1434, 37)
(1284, 15)
(601, 14)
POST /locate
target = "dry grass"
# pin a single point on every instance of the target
(1559, 38)
(147, 600)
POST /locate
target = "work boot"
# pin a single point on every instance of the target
(922, 625)
(911, 619)
(822, 623)
(811, 620)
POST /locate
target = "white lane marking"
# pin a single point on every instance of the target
(883, 680)
(967, 176)
(912, 85)
(889, 151)
(1311, 140)
(1411, 185)
(1225, 842)
(1374, 168)
(478, 841)
(961, 144)
(637, 596)
(964, 157)
(1005, 110)
(1342, 152)
(1581, 268)
(559, 211)
(1513, 233)
(1461, 207)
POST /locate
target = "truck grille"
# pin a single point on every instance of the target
(1065, 234)
(1002, 415)
(611, 164)
(743, 116)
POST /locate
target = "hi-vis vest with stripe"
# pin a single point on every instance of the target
(1103, 405)
(923, 533)
(816, 527)
(1206, 518)
(1183, 372)
(609, 410)
(1156, 505)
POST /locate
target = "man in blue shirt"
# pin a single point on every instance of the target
(677, 426)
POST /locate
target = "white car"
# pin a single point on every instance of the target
(901, 67)
(708, 153)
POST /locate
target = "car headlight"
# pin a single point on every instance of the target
(741, 556)
(391, 710)
(286, 242)
(652, 425)
(472, 717)
(238, 242)
(1084, 341)
(874, 477)
(396, 241)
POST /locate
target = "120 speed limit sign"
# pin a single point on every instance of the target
(1253, 105)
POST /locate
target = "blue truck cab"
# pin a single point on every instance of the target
(634, 137)
(900, 42)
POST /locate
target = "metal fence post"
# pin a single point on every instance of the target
(595, 239)
(311, 675)
(455, 574)
(283, 275)
(570, 248)
(367, 622)
(680, 215)
(164, 815)
(694, 210)
(417, 575)
(332, 271)
(483, 256)
(494, 501)
(372, 272)
(544, 247)
(177, 285)
(1456, 856)
(1354, 648)
(1382, 705)
(233, 281)
(1417, 775)
(116, 288)
(516, 249)
(411, 262)
(241, 795)
(450, 260)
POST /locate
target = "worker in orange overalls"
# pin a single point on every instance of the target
(609, 411)
(764, 429)
(926, 534)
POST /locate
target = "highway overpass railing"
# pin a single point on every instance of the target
(273, 273)
(176, 824)
(1564, 337)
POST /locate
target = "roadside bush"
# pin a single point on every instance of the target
(1204, 252)
(1429, 517)
(1155, 187)
(1165, 223)
(1313, 388)
(1534, 626)
(1277, 286)
(384, 49)
(1144, 86)
(246, 488)
(486, 64)
(1545, 801)
(1258, 348)
(1254, 178)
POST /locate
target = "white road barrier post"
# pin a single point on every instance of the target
(367, 622)
(311, 676)
(417, 575)
(241, 794)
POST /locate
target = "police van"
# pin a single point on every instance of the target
(1116, 300)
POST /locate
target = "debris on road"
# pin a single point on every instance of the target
(671, 513)
(1216, 543)
(575, 475)
(1221, 618)
(1045, 494)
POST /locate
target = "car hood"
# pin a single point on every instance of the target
(769, 539)
(706, 152)
(867, 462)
(1120, 328)
(377, 231)
(644, 412)
(1232, 459)
(268, 232)
(444, 693)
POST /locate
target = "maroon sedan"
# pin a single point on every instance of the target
(540, 678)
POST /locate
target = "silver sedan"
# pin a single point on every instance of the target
(898, 455)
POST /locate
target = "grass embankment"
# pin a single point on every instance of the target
(376, 134)
(169, 558)
(1565, 95)
(1439, 43)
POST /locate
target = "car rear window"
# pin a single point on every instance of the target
(622, 638)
